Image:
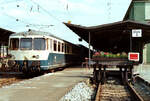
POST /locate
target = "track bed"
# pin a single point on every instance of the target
(113, 90)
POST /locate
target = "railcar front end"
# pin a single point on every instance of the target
(28, 53)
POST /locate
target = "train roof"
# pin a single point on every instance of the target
(34, 32)
(38, 33)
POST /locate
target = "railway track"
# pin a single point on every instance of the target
(10, 77)
(113, 90)
(7, 78)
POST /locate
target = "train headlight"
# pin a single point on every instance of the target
(11, 63)
(35, 56)
(11, 56)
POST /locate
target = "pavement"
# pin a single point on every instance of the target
(144, 71)
(49, 87)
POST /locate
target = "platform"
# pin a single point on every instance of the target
(49, 87)
(144, 72)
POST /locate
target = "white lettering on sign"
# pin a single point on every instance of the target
(136, 33)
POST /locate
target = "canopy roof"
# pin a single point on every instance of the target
(4, 35)
(113, 36)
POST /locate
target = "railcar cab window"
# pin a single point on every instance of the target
(26, 43)
(14, 44)
(39, 44)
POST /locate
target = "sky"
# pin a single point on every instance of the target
(48, 15)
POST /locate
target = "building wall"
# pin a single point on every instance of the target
(140, 12)
(145, 54)
(148, 54)
(137, 12)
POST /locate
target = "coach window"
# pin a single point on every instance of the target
(68, 48)
(39, 44)
(26, 43)
(62, 48)
(14, 43)
(55, 45)
(65, 48)
(50, 44)
(59, 47)
(47, 44)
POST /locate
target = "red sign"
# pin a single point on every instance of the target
(133, 56)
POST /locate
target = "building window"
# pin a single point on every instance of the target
(55, 45)
(147, 11)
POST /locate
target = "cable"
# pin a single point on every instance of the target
(66, 8)
(7, 2)
(38, 26)
(26, 23)
(45, 10)
(109, 4)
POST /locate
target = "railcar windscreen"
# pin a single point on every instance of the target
(26, 43)
(14, 44)
(39, 44)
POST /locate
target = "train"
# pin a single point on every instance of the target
(36, 51)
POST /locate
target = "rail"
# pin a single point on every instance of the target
(98, 95)
(130, 93)
(136, 96)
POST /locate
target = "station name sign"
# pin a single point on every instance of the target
(133, 56)
(136, 32)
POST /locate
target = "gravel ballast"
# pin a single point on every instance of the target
(81, 92)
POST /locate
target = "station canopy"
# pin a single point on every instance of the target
(4, 36)
(114, 36)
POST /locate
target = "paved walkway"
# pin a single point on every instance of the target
(143, 71)
(49, 87)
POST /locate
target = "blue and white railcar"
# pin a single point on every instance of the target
(39, 51)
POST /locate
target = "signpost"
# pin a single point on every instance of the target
(134, 56)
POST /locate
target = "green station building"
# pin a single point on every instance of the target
(139, 11)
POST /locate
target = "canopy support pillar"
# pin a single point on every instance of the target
(89, 49)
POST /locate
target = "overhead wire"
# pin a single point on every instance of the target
(29, 24)
(8, 2)
(18, 20)
(45, 10)
(67, 8)
(109, 4)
